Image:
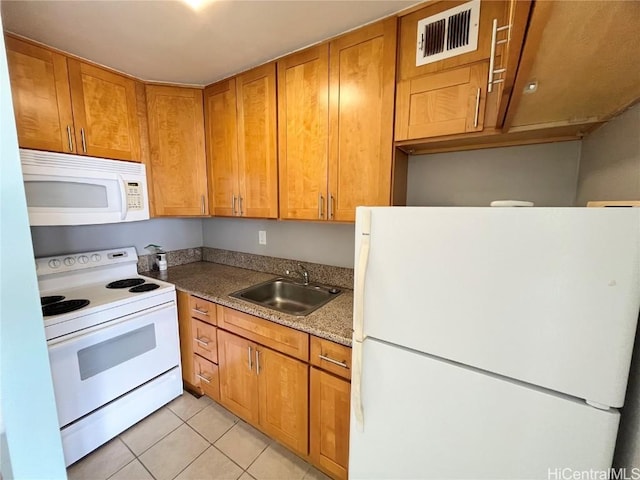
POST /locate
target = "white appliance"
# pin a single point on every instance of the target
(491, 343)
(64, 189)
(113, 344)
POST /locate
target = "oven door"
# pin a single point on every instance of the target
(97, 365)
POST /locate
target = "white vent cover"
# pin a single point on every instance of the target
(449, 33)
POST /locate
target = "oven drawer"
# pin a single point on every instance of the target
(94, 366)
(206, 377)
(204, 340)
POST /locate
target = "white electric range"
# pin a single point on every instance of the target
(113, 344)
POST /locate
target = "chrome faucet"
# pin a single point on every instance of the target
(302, 270)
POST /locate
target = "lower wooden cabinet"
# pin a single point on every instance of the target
(206, 377)
(329, 419)
(266, 388)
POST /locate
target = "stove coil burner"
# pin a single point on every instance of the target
(147, 287)
(51, 299)
(63, 307)
(126, 283)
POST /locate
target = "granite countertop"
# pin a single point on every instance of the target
(215, 282)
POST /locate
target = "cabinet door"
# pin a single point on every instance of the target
(443, 103)
(186, 339)
(303, 132)
(257, 155)
(104, 112)
(283, 387)
(238, 381)
(329, 435)
(41, 97)
(361, 95)
(222, 147)
(176, 138)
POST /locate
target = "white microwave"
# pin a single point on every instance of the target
(64, 189)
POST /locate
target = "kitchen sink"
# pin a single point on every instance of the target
(287, 296)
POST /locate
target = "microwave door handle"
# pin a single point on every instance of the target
(124, 207)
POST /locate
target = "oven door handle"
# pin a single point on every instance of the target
(124, 206)
(58, 341)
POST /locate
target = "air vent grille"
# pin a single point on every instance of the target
(449, 33)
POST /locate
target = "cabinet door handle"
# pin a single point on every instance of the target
(203, 378)
(201, 312)
(202, 206)
(331, 200)
(492, 58)
(84, 140)
(320, 206)
(240, 202)
(335, 362)
(475, 118)
(204, 342)
(70, 138)
(250, 360)
(257, 362)
(233, 204)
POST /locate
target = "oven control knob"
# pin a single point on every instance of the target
(54, 263)
(95, 257)
(69, 261)
(83, 259)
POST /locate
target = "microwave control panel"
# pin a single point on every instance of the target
(134, 196)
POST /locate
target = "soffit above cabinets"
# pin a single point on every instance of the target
(168, 41)
(586, 65)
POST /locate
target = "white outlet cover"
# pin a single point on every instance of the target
(262, 237)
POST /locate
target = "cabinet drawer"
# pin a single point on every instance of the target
(331, 356)
(204, 340)
(203, 310)
(206, 377)
(283, 339)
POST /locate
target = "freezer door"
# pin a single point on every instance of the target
(426, 418)
(549, 296)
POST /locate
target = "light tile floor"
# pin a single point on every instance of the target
(192, 439)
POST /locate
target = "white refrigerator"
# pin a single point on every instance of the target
(491, 343)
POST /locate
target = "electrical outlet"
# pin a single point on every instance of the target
(262, 237)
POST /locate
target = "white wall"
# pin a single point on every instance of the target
(330, 244)
(545, 174)
(30, 445)
(610, 163)
(170, 233)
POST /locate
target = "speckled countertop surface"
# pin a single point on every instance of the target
(215, 282)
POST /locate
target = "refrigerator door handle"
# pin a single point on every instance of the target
(356, 384)
(361, 275)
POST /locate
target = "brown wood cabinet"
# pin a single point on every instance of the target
(330, 398)
(467, 93)
(241, 144)
(178, 161)
(64, 105)
(265, 388)
(335, 107)
(362, 67)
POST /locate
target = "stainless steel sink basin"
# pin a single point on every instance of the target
(287, 296)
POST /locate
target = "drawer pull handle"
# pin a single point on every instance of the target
(204, 342)
(203, 378)
(335, 362)
(201, 312)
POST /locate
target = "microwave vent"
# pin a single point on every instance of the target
(448, 34)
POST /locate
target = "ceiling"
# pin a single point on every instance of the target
(169, 41)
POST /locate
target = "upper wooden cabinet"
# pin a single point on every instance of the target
(241, 144)
(303, 133)
(64, 105)
(104, 112)
(361, 91)
(464, 93)
(178, 162)
(335, 107)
